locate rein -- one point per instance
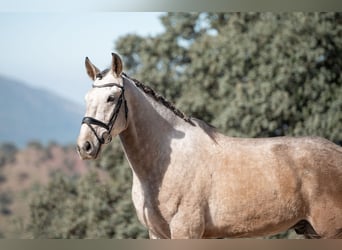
(89, 121)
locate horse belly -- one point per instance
(252, 203)
(254, 217)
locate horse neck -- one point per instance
(150, 130)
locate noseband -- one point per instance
(106, 137)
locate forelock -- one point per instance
(102, 74)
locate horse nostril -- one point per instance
(87, 146)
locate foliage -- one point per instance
(87, 207)
(5, 202)
(84, 208)
(250, 74)
(7, 153)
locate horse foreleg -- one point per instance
(152, 236)
(185, 225)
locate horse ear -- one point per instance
(116, 64)
(91, 69)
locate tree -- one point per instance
(5, 202)
(8, 153)
(250, 74)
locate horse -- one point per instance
(191, 181)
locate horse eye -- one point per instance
(111, 98)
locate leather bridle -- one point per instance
(90, 121)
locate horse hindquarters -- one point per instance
(325, 192)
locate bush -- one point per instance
(83, 208)
(8, 153)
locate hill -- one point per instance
(28, 114)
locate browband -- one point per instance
(112, 84)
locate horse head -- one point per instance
(106, 108)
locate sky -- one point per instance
(47, 49)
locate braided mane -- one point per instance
(160, 99)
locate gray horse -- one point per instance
(189, 181)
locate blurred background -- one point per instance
(248, 74)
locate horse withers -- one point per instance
(190, 181)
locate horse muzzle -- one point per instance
(87, 150)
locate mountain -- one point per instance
(31, 114)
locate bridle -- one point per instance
(90, 121)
